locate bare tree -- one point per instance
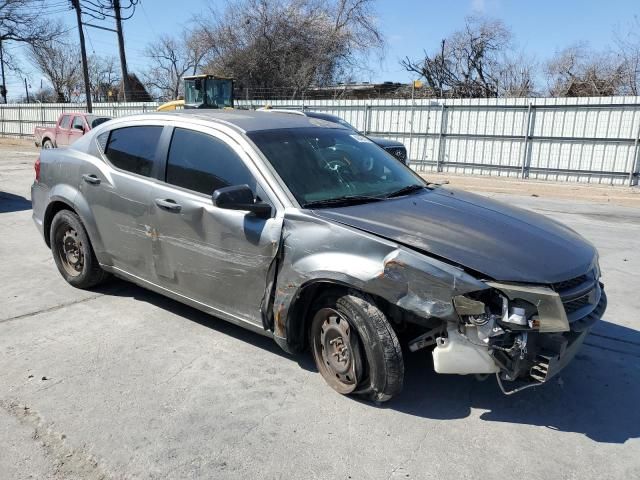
(23, 21)
(628, 47)
(289, 44)
(517, 77)
(60, 63)
(171, 59)
(27, 21)
(104, 78)
(474, 62)
(578, 71)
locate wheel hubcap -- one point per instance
(336, 351)
(71, 252)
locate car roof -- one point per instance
(323, 116)
(250, 120)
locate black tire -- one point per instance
(372, 347)
(72, 251)
(47, 144)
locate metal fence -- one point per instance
(568, 139)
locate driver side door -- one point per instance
(78, 127)
(218, 257)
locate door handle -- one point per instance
(91, 179)
(168, 204)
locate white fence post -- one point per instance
(633, 171)
(441, 138)
(525, 154)
(367, 119)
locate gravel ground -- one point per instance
(123, 383)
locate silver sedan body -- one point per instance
(416, 254)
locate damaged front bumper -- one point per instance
(548, 353)
(524, 334)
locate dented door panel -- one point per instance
(215, 256)
(120, 208)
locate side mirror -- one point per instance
(79, 127)
(240, 197)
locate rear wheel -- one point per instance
(47, 144)
(72, 251)
(355, 348)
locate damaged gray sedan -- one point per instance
(313, 235)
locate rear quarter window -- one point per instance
(133, 148)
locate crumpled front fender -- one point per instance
(318, 250)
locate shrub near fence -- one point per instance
(563, 139)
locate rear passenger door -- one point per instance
(119, 193)
(218, 257)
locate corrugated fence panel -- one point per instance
(563, 139)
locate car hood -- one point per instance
(498, 241)
(385, 142)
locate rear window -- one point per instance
(94, 121)
(133, 148)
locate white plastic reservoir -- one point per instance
(456, 354)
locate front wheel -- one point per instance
(72, 251)
(355, 348)
(47, 144)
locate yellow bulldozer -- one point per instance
(203, 91)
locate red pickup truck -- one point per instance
(69, 127)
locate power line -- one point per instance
(103, 9)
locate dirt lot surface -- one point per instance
(123, 383)
(602, 194)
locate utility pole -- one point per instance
(123, 57)
(26, 89)
(3, 89)
(83, 53)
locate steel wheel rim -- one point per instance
(336, 350)
(47, 145)
(70, 252)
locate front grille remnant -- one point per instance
(577, 294)
(572, 283)
(573, 305)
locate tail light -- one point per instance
(36, 167)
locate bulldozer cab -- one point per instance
(208, 91)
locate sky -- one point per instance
(540, 28)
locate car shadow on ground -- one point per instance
(596, 395)
(122, 288)
(10, 202)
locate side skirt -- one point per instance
(187, 300)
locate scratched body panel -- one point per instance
(120, 207)
(314, 249)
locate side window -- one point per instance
(133, 148)
(66, 121)
(78, 121)
(203, 163)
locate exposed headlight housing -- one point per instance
(514, 306)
